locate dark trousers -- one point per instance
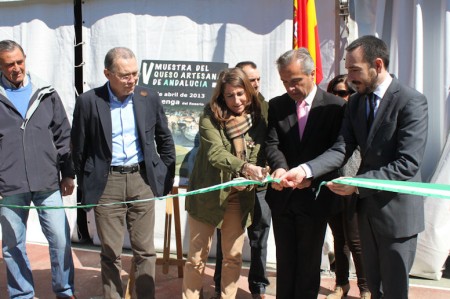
(387, 261)
(258, 234)
(346, 238)
(140, 221)
(299, 239)
(82, 225)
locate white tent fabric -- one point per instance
(433, 27)
(45, 31)
(195, 30)
(434, 244)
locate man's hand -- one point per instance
(341, 189)
(294, 178)
(276, 175)
(304, 184)
(67, 186)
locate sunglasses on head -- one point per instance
(341, 93)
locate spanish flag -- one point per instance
(306, 33)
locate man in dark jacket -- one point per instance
(34, 152)
(123, 151)
(303, 123)
(389, 122)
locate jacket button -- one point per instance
(105, 175)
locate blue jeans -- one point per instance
(55, 228)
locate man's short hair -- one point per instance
(243, 64)
(10, 45)
(372, 47)
(300, 54)
(116, 53)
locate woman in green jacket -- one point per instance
(232, 134)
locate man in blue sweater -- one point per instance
(34, 154)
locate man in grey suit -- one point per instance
(392, 142)
(123, 151)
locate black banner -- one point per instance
(184, 88)
(181, 83)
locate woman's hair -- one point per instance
(236, 78)
(336, 80)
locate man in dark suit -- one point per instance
(392, 134)
(123, 151)
(296, 136)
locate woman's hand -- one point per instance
(253, 172)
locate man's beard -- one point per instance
(370, 87)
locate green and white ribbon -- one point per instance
(234, 183)
(414, 188)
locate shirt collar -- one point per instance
(7, 84)
(310, 97)
(113, 98)
(382, 88)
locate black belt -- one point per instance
(127, 168)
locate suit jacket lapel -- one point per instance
(139, 104)
(104, 114)
(385, 104)
(293, 121)
(356, 110)
(312, 116)
(362, 115)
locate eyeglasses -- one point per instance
(126, 77)
(341, 93)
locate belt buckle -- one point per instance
(123, 171)
(129, 169)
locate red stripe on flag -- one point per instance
(302, 20)
(319, 72)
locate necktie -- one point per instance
(302, 116)
(371, 102)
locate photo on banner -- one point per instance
(184, 88)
